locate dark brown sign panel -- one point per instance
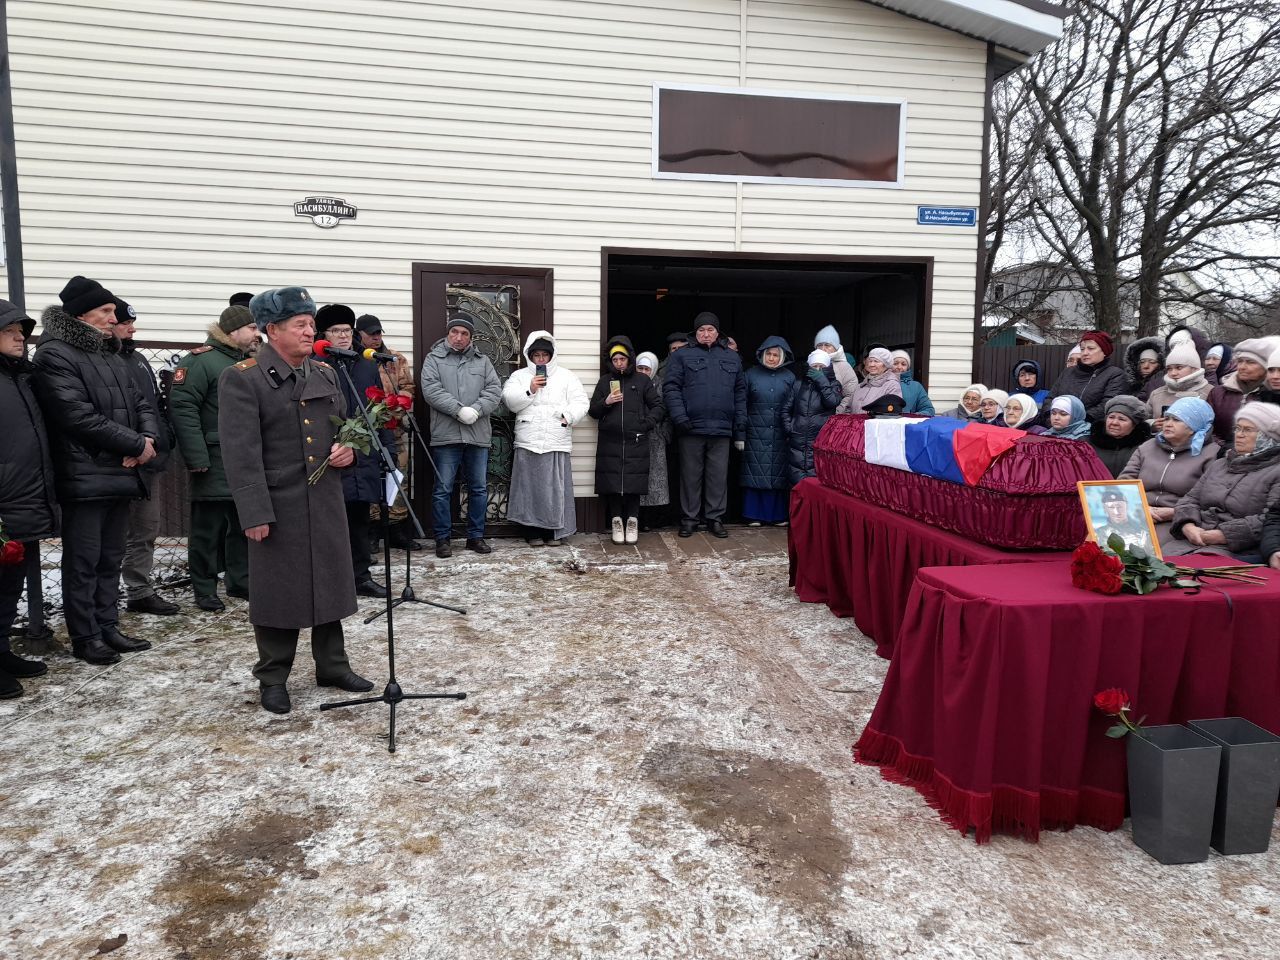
(704, 133)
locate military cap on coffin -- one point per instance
(889, 405)
(280, 304)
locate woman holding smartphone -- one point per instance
(547, 401)
(626, 403)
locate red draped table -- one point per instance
(861, 560)
(987, 709)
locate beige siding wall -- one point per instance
(162, 143)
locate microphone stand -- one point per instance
(392, 694)
(406, 595)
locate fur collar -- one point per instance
(223, 339)
(60, 325)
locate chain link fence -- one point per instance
(173, 492)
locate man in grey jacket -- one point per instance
(462, 388)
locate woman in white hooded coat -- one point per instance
(547, 401)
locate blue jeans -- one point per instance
(475, 467)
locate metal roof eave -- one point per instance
(1024, 26)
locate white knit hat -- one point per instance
(901, 354)
(1184, 354)
(1275, 359)
(820, 357)
(881, 354)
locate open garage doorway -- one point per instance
(648, 294)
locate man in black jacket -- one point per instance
(101, 430)
(144, 514)
(706, 396)
(28, 506)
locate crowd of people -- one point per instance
(254, 415)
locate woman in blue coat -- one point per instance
(764, 458)
(810, 403)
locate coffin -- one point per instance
(1026, 500)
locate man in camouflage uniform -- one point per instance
(217, 541)
(396, 378)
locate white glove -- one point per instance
(468, 415)
(739, 445)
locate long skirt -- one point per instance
(767, 506)
(542, 492)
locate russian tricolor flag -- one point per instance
(940, 447)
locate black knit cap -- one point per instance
(677, 338)
(234, 317)
(124, 312)
(542, 343)
(240, 299)
(368, 323)
(334, 315)
(9, 314)
(81, 295)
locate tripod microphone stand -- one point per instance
(392, 694)
(406, 595)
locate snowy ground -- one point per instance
(653, 762)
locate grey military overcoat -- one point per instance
(275, 431)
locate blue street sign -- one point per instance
(947, 216)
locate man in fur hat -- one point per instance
(274, 423)
(193, 400)
(101, 430)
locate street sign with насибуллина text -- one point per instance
(947, 216)
(325, 212)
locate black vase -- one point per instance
(1248, 783)
(1173, 784)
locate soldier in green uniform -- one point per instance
(274, 421)
(217, 541)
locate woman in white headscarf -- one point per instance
(970, 405)
(991, 409)
(881, 381)
(1020, 410)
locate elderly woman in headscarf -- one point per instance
(765, 485)
(1225, 511)
(811, 400)
(1171, 463)
(1183, 377)
(1143, 363)
(1094, 379)
(914, 397)
(881, 381)
(1020, 410)
(1124, 429)
(1027, 379)
(659, 494)
(991, 409)
(970, 405)
(1066, 419)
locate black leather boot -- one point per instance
(117, 641)
(94, 651)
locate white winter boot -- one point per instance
(633, 530)
(618, 536)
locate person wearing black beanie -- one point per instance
(240, 299)
(101, 431)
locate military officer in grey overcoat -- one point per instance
(273, 420)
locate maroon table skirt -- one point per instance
(987, 709)
(861, 560)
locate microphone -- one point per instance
(372, 354)
(323, 348)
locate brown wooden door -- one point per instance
(505, 304)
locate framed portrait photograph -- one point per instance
(1120, 507)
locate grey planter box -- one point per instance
(1248, 783)
(1173, 783)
